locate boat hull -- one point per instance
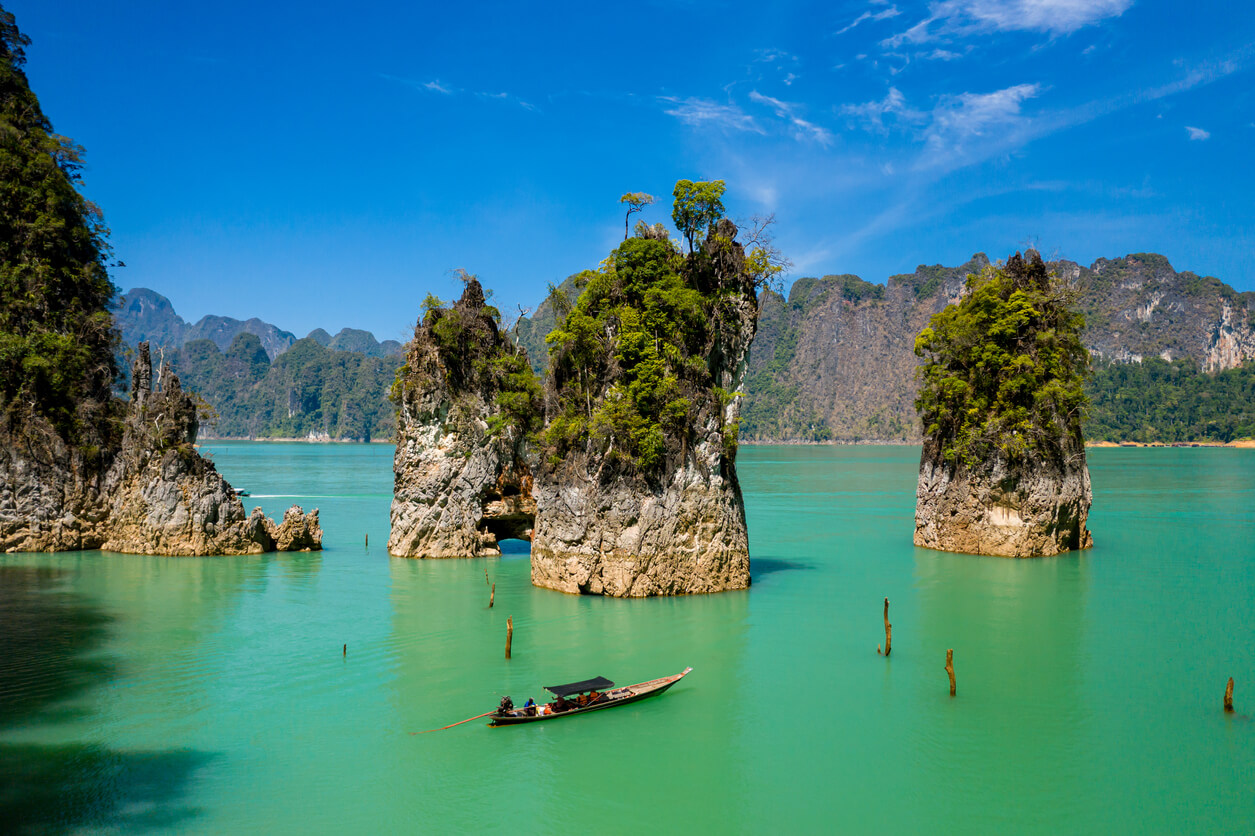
(635, 693)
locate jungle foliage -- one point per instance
(1003, 369)
(56, 333)
(474, 358)
(1170, 402)
(630, 366)
(307, 389)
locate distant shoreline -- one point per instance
(1242, 443)
(302, 440)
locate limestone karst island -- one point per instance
(699, 420)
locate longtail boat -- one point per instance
(590, 695)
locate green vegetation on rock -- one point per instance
(56, 334)
(1004, 367)
(475, 358)
(630, 363)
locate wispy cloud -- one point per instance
(883, 14)
(872, 114)
(1198, 133)
(962, 18)
(445, 89)
(802, 129)
(700, 113)
(957, 119)
(776, 56)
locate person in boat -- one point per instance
(507, 705)
(530, 708)
(561, 704)
(595, 697)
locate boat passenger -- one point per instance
(530, 708)
(561, 704)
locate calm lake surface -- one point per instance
(211, 695)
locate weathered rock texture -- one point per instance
(1002, 470)
(152, 494)
(462, 479)
(604, 528)
(1004, 510)
(50, 492)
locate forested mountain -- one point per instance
(835, 361)
(308, 391)
(1165, 401)
(262, 382)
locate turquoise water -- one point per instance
(212, 695)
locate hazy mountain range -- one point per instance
(833, 361)
(144, 314)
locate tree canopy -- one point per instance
(56, 331)
(629, 363)
(636, 202)
(697, 208)
(1004, 367)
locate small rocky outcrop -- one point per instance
(165, 498)
(1002, 470)
(299, 532)
(637, 492)
(467, 400)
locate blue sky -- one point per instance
(329, 165)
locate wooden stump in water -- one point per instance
(509, 635)
(492, 595)
(888, 629)
(950, 668)
(1228, 695)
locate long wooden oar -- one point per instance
(458, 723)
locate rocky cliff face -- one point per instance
(1003, 509)
(1002, 470)
(607, 526)
(51, 494)
(149, 493)
(834, 361)
(165, 498)
(462, 479)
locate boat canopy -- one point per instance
(597, 682)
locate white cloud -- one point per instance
(802, 129)
(437, 87)
(959, 18)
(957, 119)
(940, 55)
(874, 113)
(884, 14)
(699, 113)
(1198, 133)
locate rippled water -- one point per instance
(212, 695)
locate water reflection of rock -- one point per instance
(1018, 631)
(52, 641)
